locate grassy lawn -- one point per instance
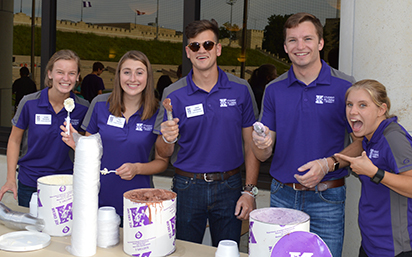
(93, 47)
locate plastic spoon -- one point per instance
(69, 106)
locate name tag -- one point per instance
(194, 110)
(116, 121)
(43, 119)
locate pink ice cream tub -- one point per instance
(268, 225)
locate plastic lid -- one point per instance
(23, 241)
(300, 242)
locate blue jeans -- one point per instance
(326, 210)
(199, 201)
(24, 194)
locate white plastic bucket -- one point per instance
(149, 218)
(268, 225)
(55, 200)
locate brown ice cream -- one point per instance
(145, 195)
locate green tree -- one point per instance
(227, 30)
(273, 35)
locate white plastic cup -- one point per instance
(33, 204)
(227, 248)
(107, 213)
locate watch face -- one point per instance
(255, 191)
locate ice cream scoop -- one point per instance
(105, 171)
(259, 128)
(167, 104)
(69, 106)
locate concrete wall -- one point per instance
(375, 44)
(136, 31)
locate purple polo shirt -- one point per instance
(309, 121)
(131, 143)
(43, 151)
(385, 217)
(210, 123)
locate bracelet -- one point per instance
(246, 192)
(164, 139)
(377, 178)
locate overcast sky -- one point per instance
(171, 11)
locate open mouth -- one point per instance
(356, 125)
(65, 84)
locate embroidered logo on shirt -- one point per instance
(323, 99)
(74, 122)
(373, 154)
(227, 102)
(143, 127)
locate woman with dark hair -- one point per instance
(125, 119)
(163, 82)
(260, 78)
(36, 125)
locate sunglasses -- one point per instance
(207, 45)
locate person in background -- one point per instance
(304, 114)
(92, 84)
(385, 205)
(260, 78)
(77, 89)
(179, 72)
(125, 119)
(163, 82)
(213, 111)
(23, 86)
(36, 127)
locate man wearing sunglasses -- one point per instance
(213, 111)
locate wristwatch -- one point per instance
(335, 164)
(252, 189)
(378, 176)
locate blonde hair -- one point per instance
(149, 102)
(64, 54)
(377, 92)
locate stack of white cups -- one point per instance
(108, 227)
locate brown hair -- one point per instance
(297, 18)
(60, 55)
(149, 102)
(197, 27)
(377, 92)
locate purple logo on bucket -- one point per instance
(300, 244)
(139, 216)
(143, 254)
(62, 188)
(39, 204)
(66, 229)
(138, 235)
(252, 239)
(65, 213)
(173, 223)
